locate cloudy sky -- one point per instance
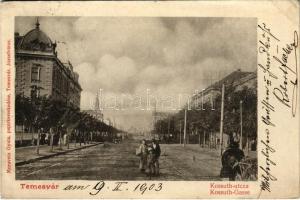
(129, 55)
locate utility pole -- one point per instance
(168, 125)
(241, 116)
(51, 138)
(68, 137)
(184, 131)
(209, 140)
(199, 137)
(60, 138)
(22, 133)
(154, 122)
(221, 123)
(180, 132)
(38, 143)
(204, 141)
(160, 129)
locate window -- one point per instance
(35, 74)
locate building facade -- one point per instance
(39, 72)
(237, 79)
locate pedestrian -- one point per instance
(56, 138)
(51, 137)
(80, 138)
(43, 136)
(151, 160)
(47, 139)
(142, 153)
(234, 139)
(65, 138)
(157, 152)
(230, 159)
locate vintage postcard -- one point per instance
(161, 100)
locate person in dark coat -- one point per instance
(230, 158)
(151, 159)
(156, 152)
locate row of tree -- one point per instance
(207, 120)
(44, 113)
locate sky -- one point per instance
(136, 56)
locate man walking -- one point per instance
(157, 151)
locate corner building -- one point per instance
(39, 72)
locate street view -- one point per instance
(143, 98)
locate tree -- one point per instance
(209, 120)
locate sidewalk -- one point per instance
(191, 162)
(25, 155)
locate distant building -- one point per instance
(39, 72)
(96, 112)
(248, 81)
(157, 116)
(237, 79)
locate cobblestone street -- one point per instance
(118, 162)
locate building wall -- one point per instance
(205, 97)
(250, 81)
(65, 86)
(74, 93)
(54, 79)
(24, 81)
(60, 91)
(39, 69)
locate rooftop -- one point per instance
(36, 40)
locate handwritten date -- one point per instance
(119, 186)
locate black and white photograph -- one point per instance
(135, 98)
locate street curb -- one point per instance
(52, 155)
